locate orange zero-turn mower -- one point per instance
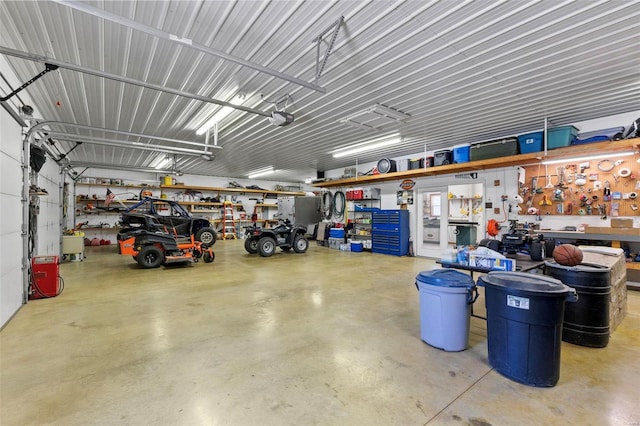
(152, 249)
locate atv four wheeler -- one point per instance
(284, 235)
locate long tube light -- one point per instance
(588, 157)
(221, 113)
(366, 146)
(261, 172)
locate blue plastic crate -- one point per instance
(558, 137)
(530, 142)
(461, 153)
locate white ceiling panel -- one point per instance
(465, 71)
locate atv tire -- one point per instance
(536, 251)
(300, 244)
(251, 245)
(549, 246)
(207, 236)
(266, 246)
(208, 256)
(150, 257)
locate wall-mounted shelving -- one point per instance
(493, 163)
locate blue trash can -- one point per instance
(446, 296)
(524, 325)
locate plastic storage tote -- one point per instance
(530, 142)
(461, 153)
(446, 296)
(558, 137)
(599, 135)
(586, 322)
(524, 325)
(493, 149)
(442, 158)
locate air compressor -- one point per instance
(45, 277)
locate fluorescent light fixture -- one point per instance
(261, 172)
(589, 157)
(221, 113)
(366, 146)
(160, 162)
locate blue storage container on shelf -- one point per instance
(599, 135)
(461, 153)
(558, 137)
(336, 233)
(530, 142)
(356, 246)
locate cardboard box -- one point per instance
(621, 223)
(478, 261)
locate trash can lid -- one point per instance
(524, 282)
(583, 267)
(445, 278)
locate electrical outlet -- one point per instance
(496, 210)
(505, 197)
(488, 205)
(496, 182)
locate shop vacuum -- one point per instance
(45, 278)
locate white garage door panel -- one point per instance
(11, 181)
(11, 289)
(11, 218)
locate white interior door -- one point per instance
(431, 223)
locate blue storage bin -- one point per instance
(530, 142)
(356, 246)
(558, 137)
(461, 153)
(336, 233)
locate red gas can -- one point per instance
(45, 271)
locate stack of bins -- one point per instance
(446, 296)
(586, 322)
(524, 325)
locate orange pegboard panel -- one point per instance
(602, 187)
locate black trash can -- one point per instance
(586, 322)
(524, 325)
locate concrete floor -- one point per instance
(324, 338)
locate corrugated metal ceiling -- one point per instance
(465, 71)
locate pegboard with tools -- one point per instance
(608, 187)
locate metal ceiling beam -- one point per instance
(101, 13)
(70, 137)
(40, 127)
(38, 58)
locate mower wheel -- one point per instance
(300, 244)
(208, 256)
(535, 251)
(150, 257)
(266, 246)
(251, 245)
(549, 246)
(207, 236)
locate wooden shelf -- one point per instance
(236, 190)
(266, 205)
(119, 186)
(633, 265)
(493, 163)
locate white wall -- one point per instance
(11, 286)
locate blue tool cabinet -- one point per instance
(390, 232)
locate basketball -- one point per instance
(567, 255)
